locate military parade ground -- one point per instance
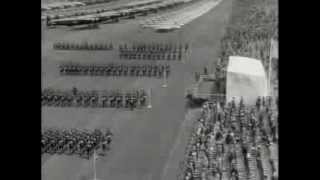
(114, 79)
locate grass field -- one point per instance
(143, 138)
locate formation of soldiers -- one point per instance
(79, 142)
(115, 69)
(94, 99)
(154, 51)
(83, 46)
(233, 143)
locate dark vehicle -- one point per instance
(84, 20)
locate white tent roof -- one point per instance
(244, 65)
(246, 78)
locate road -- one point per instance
(143, 138)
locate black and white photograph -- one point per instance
(159, 89)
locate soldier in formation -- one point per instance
(115, 69)
(94, 99)
(83, 46)
(75, 141)
(153, 51)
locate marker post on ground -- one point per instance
(195, 91)
(183, 59)
(164, 85)
(94, 165)
(186, 51)
(149, 105)
(209, 115)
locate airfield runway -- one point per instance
(145, 140)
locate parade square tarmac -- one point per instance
(145, 140)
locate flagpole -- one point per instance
(165, 79)
(186, 54)
(183, 57)
(94, 165)
(270, 68)
(149, 105)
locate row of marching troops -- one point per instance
(155, 51)
(115, 69)
(82, 46)
(154, 47)
(94, 99)
(233, 143)
(168, 56)
(80, 142)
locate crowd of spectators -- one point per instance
(249, 34)
(235, 142)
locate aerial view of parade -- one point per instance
(159, 89)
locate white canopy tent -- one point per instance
(246, 78)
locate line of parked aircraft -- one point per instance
(61, 5)
(125, 12)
